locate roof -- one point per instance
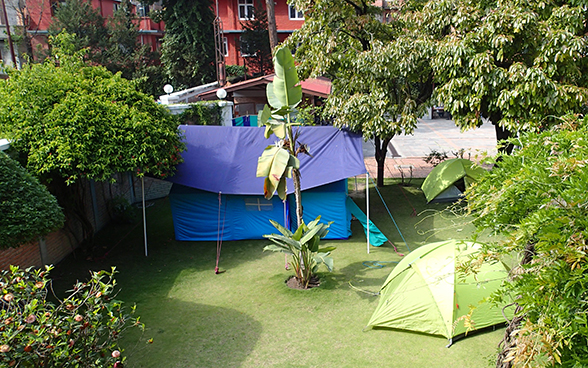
(224, 159)
(320, 87)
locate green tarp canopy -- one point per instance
(444, 175)
(424, 293)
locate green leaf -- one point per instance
(285, 89)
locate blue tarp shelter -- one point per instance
(216, 191)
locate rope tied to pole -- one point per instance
(220, 233)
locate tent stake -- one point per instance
(367, 207)
(144, 218)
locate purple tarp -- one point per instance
(224, 159)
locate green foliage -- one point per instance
(236, 70)
(27, 209)
(81, 330)
(79, 18)
(121, 210)
(254, 41)
(202, 113)
(284, 94)
(435, 157)
(303, 247)
(381, 75)
(113, 43)
(77, 121)
(188, 45)
(520, 64)
(537, 198)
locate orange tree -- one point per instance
(71, 121)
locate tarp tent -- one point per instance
(424, 293)
(439, 184)
(222, 161)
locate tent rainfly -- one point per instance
(217, 195)
(424, 293)
(439, 184)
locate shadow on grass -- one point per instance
(192, 335)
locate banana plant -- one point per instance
(303, 246)
(280, 161)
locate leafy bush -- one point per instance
(537, 198)
(201, 113)
(81, 330)
(236, 70)
(27, 209)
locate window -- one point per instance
(55, 4)
(244, 48)
(295, 14)
(143, 10)
(225, 47)
(115, 7)
(255, 204)
(246, 9)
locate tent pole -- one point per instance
(144, 218)
(367, 207)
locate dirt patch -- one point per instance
(293, 283)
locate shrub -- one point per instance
(81, 330)
(27, 209)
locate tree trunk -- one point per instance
(501, 135)
(271, 24)
(381, 151)
(509, 340)
(297, 195)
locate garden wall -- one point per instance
(59, 244)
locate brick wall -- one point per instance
(57, 245)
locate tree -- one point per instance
(536, 198)
(519, 64)
(82, 330)
(113, 43)
(280, 161)
(79, 18)
(72, 121)
(381, 77)
(188, 45)
(254, 42)
(27, 209)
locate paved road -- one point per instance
(406, 153)
(440, 135)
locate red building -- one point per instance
(39, 15)
(233, 12)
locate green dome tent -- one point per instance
(423, 293)
(440, 182)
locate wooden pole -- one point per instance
(271, 24)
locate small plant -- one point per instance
(460, 153)
(303, 247)
(81, 330)
(121, 210)
(435, 157)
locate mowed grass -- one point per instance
(247, 317)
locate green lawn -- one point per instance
(247, 317)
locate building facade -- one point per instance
(233, 12)
(38, 15)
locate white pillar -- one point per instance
(144, 218)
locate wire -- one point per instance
(363, 291)
(389, 213)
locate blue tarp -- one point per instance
(377, 238)
(224, 160)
